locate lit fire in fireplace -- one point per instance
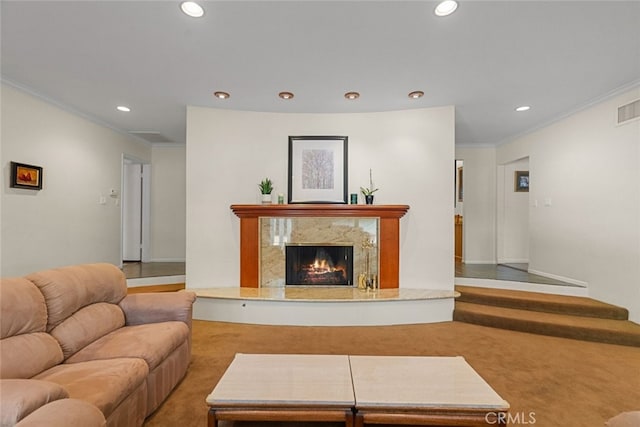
(322, 267)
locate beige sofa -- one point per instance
(77, 350)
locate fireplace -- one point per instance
(319, 265)
(263, 240)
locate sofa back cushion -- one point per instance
(68, 289)
(22, 306)
(26, 355)
(22, 331)
(82, 302)
(87, 325)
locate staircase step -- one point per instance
(537, 301)
(622, 332)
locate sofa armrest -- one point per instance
(65, 413)
(158, 307)
(21, 397)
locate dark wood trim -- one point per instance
(320, 210)
(389, 255)
(388, 240)
(172, 287)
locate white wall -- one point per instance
(512, 215)
(410, 152)
(168, 203)
(63, 223)
(588, 169)
(479, 225)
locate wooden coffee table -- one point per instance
(442, 391)
(284, 387)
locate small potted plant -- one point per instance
(368, 192)
(266, 187)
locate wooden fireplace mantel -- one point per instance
(388, 239)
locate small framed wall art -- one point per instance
(522, 181)
(317, 169)
(25, 176)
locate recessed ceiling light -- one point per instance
(352, 95)
(192, 9)
(285, 95)
(221, 95)
(416, 94)
(447, 7)
(523, 108)
(123, 108)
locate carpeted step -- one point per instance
(610, 331)
(537, 301)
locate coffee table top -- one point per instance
(284, 380)
(420, 382)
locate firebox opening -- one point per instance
(325, 265)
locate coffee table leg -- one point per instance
(211, 418)
(358, 419)
(348, 418)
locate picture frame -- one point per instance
(521, 181)
(25, 176)
(317, 169)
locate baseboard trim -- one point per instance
(471, 261)
(513, 261)
(560, 278)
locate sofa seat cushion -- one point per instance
(103, 383)
(20, 397)
(65, 413)
(152, 342)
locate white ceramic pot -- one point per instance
(266, 198)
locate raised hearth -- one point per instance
(388, 238)
(308, 306)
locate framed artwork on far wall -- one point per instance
(25, 176)
(317, 169)
(522, 181)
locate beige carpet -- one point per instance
(563, 382)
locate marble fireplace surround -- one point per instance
(388, 217)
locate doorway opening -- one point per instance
(135, 210)
(458, 210)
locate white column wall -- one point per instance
(168, 203)
(479, 223)
(410, 152)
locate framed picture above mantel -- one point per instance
(317, 169)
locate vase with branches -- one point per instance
(368, 191)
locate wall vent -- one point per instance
(153, 137)
(629, 112)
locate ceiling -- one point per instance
(486, 59)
